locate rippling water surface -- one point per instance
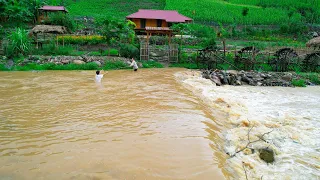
(143, 125)
(291, 115)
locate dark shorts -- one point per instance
(135, 69)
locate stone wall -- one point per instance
(100, 60)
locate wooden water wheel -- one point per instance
(312, 62)
(245, 59)
(284, 57)
(206, 57)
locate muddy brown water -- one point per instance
(143, 125)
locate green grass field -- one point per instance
(115, 8)
(264, 12)
(230, 11)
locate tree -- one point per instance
(244, 13)
(20, 11)
(116, 31)
(19, 42)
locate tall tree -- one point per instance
(244, 13)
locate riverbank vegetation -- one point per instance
(109, 65)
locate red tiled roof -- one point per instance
(169, 16)
(54, 8)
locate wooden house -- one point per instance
(156, 19)
(44, 11)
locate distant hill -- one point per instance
(265, 12)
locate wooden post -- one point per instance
(37, 43)
(253, 57)
(147, 45)
(57, 41)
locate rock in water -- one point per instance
(216, 80)
(267, 155)
(287, 77)
(238, 83)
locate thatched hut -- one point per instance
(49, 29)
(315, 42)
(46, 29)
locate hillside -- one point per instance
(116, 8)
(264, 12)
(230, 11)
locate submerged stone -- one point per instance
(266, 155)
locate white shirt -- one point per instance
(134, 64)
(99, 77)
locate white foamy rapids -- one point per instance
(292, 114)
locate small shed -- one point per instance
(45, 10)
(44, 30)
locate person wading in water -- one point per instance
(99, 76)
(134, 65)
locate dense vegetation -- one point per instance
(109, 65)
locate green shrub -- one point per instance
(112, 52)
(52, 49)
(183, 58)
(95, 53)
(312, 77)
(298, 82)
(129, 51)
(264, 67)
(151, 64)
(19, 43)
(115, 65)
(3, 68)
(61, 19)
(52, 66)
(210, 43)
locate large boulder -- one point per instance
(78, 62)
(287, 77)
(98, 63)
(65, 61)
(216, 80)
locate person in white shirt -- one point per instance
(134, 65)
(99, 76)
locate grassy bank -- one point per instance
(109, 65)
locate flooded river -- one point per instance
(289, 116)
(134, 125)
